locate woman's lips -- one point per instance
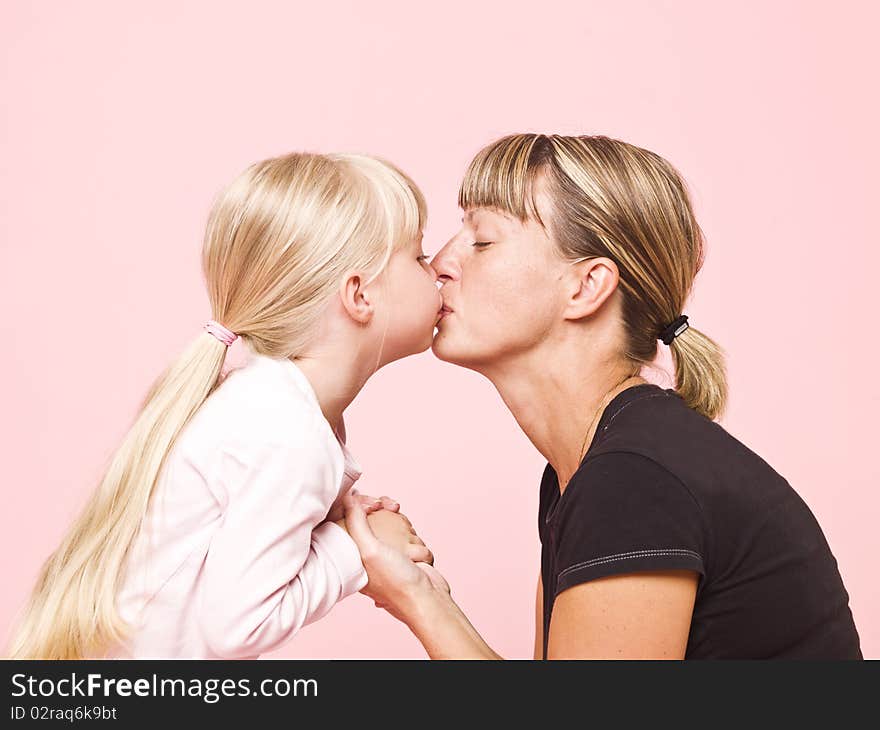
(444, 310)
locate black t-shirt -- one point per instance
(662, 487)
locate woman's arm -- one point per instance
(443, 629)
(635, 616)
(414, 593)
(639, 615)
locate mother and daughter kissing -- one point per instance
(227, 518)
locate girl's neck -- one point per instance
(337, 378)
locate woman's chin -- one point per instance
(443, 348)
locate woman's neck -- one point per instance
(557, 399)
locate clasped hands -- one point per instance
(400, 567)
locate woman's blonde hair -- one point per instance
(613, 199)
(277, 243)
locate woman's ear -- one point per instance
(355, 299)
(594, 280)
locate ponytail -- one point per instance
(72, 611)
(278, 239)
(700, 372)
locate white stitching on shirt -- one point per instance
(629, 403)
(629, 556)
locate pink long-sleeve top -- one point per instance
(234, 555)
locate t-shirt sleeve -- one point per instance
(625, 513)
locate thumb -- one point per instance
(358, 527)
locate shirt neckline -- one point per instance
(351, 466)
(620, 401)
(617, 404)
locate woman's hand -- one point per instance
(413, 592)
(388, 551)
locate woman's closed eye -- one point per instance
(482, 244)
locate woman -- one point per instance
(662, 535)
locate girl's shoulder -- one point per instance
(254, 406)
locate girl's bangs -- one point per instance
(407, 214)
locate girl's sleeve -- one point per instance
(271, 567)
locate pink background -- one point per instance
(121, 120)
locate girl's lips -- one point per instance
(444, 311)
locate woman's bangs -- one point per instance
(501, 176)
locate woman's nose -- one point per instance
(443, 264)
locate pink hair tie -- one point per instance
(220, 332)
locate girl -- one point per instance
(216, 531)
(662, 535)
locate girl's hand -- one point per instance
(370, 505)
(396, 531)
(395, 582)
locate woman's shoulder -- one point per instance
(630, 480)
(643, 407)
(655, 423)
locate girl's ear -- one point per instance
(355, 299)
(593, 281)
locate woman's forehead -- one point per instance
(487, 215)
(506, 222)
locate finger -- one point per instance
(357, 525)
(419, 554)
(390, 504)
(370, 504)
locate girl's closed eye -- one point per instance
(482, 244)
(423, 259)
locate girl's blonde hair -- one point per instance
(277, 243)
(619, 201)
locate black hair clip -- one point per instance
(674, 329)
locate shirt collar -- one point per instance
(297, 377)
